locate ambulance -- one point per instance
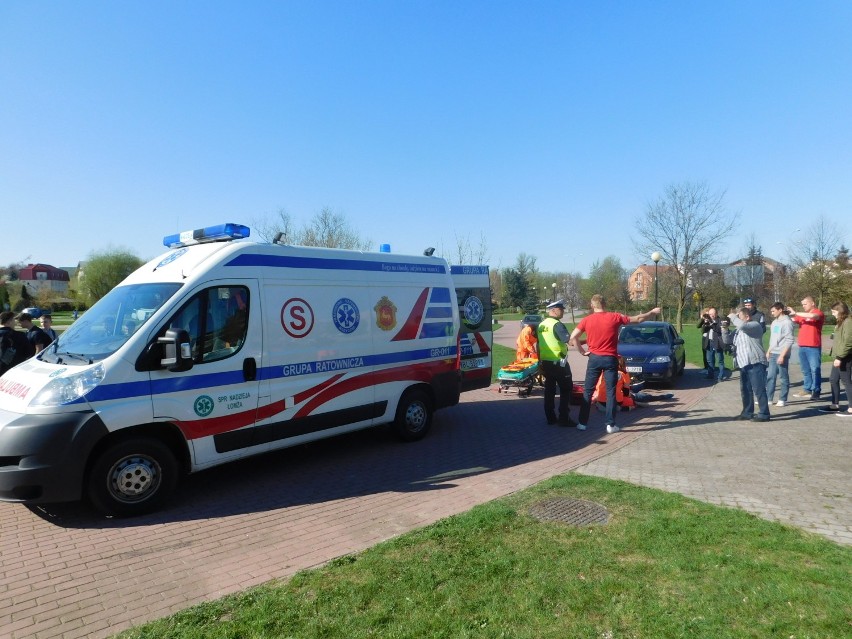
(223, 348)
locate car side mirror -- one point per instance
(678, 341)
(176, 350)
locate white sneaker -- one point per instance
(581, 427)
(780, 402)
(612, 428)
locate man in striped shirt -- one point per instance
(751, 359)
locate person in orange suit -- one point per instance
(622, 388)
(527, 343)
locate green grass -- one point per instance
(692, 343)
(500, 356)
(664, 566)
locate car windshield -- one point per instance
(105, 328)
(643, 335)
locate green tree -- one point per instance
(608, 278)
(104, 270)
(515, 288)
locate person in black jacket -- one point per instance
(14, 347)
(37, 337)
(750, 304)
(700, 325)
(711, 325)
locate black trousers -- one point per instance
(556, 375)
(842, 374)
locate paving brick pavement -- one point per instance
(795, 469)
(66, 572)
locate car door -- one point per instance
(215, 402)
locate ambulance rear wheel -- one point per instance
(413, 415)
(132, 477)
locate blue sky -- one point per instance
(544, 127)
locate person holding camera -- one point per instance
(752, 362)
(703, 337)
(715, 352)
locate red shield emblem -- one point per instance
(385, 314)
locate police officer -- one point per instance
(750, 305)
(553, 359)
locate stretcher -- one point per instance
(521, 374)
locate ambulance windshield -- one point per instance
(104, 328)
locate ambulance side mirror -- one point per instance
(176, 350)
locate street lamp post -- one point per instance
(554, 291)
(656, 257)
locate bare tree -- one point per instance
(326, 229)
(687, 225)
(332, 230)
(464, 252)
(282, 223)
(814, 261)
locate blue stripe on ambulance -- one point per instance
(440, 295)
(108, 392)
(288, 261)
(441, 312)
(439, 308)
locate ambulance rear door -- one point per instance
(473, 292)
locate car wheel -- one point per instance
(132, 477)
(413, 415)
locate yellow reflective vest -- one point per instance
(550, 348)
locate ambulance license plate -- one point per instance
(634, 369)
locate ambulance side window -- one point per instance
(227, 310)
(216, 320)
(188, 319)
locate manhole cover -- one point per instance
(570, 511)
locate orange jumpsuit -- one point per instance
(527, 343)
(623, 381)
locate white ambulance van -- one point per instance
(223, 348)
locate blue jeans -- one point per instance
(753, 386)
(609, 366)
(712, 356)
(810, 359)
(772, 371)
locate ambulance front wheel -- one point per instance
(132, 477)
(413, 415)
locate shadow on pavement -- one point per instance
(482, 434)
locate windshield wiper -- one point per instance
(82, 358)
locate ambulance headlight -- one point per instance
(68, 388)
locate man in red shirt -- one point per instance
(810, 323)
(601, 329)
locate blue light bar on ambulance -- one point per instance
(218, 233)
